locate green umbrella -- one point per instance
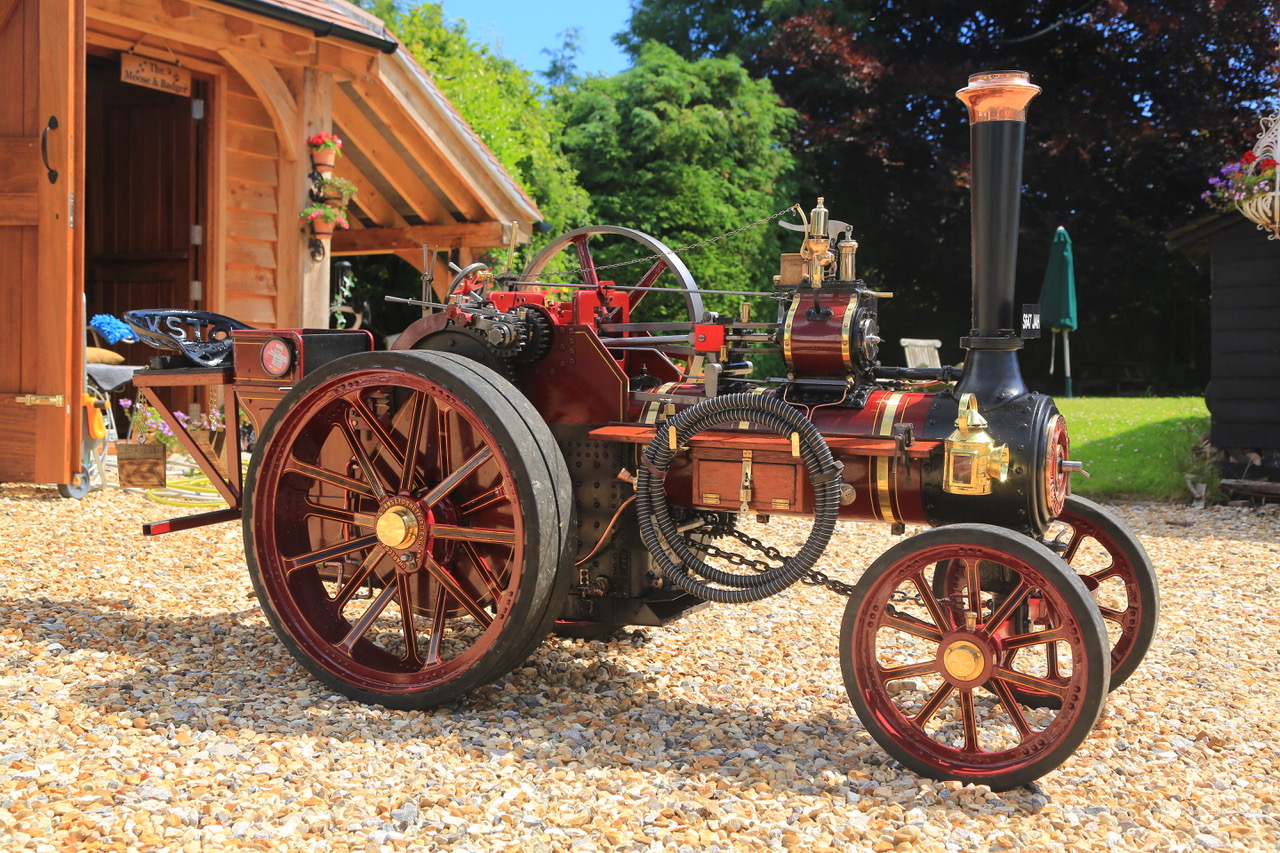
(1058, 299)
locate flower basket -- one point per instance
(1250, 185)
(325, 148)
(211, 441)
(1264, 210)
(141, 466)
(322, 229)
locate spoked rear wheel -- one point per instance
(403, 526)
(934, 681)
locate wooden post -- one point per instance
(314, 286)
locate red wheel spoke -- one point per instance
(333, 478)
(473, 534)
(973, 579)
(448, 484)
(1051, 662)
(969, 720)
(935, 702)
(437, 623)
(908, 624)
(332, 552)
(1073, 545)
(1031, 682)
(897, 673)
(930, 601)
(345, 515)
(484, 500)
(370, 615)
(405, 593)
(442, 437)
(1004, 612)
(348, 590)
(375, 426)
(1115, 570)
(1034, 638)
(1011, 706)
(441, 574)
(362, 459)
(1112, 615)
(416, 416)
(482, 568)
(647, 281)
(585, 261)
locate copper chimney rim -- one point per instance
(998, 96)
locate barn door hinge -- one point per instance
(197, 108)
(197, 235)
(42, 400)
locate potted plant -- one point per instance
(324, 217)
(325, 148)
(334, 191)
(1249, 185)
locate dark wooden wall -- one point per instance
(1245, 338)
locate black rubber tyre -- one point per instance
(397, 578)
(939, 656)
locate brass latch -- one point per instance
(973, 459)
(42, 400)
(744, 491)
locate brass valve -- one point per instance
(973, 459)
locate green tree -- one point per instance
(685, 151)
(502, 102)
(1142, 103)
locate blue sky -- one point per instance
(520, 29)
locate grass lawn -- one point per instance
(1137, 447)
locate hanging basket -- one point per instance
(141, 466)
(1265, 211)
(1264, 208)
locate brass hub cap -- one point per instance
(397, 528)
(963, 660)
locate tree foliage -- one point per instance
(1142, 102)
(685, 151)
(501, 101)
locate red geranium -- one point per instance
(325, 140)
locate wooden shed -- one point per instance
(153, 154)
(1244, 387)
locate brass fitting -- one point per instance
(972, 457)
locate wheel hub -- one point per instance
(963, 660)
(398, 528)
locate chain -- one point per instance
(812, 577)
(688, 248)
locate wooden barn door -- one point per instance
(140, 199)
(41, 153)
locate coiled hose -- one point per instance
(667, 546)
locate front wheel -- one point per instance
(405, 517)
(935, 680)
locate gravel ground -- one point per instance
(146, 705)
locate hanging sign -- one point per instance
(142, 71)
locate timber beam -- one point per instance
(374, 241)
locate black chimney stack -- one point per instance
(997, 103)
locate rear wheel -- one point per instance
(405, 518)
(934, 681)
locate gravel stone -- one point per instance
(145, 705)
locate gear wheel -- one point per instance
(538, 331)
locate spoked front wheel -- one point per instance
(403, 526)
(1117, 572)
(935, 680)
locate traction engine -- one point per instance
(536, 455)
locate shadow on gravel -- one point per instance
(227, 673)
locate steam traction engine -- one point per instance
(534, 456)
